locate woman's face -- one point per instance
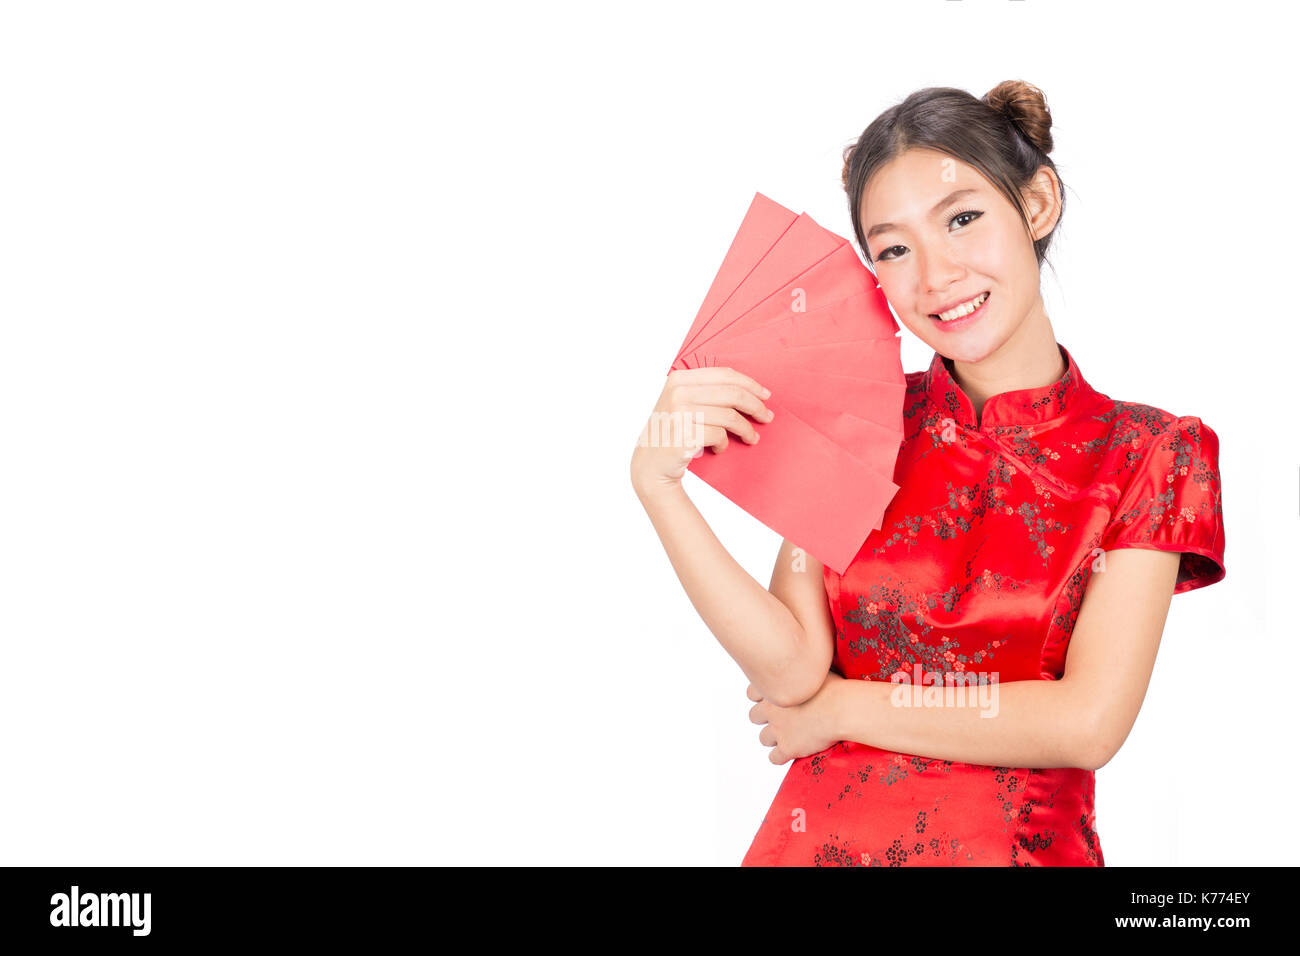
(940, 235)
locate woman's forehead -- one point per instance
(911, 185)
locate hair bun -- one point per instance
(1026, 107)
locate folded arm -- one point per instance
(1080, 720)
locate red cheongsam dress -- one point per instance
(980, 564)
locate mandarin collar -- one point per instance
(1017, 408)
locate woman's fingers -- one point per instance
(725, 420)
(695, 410)
(699, 406)
(717, 374)
(722, 395)
(706, 435)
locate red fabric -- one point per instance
(980, 565)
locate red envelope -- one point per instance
(793, 307)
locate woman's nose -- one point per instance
(939, 271)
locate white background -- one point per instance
(328, 330)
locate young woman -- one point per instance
(1039, 533)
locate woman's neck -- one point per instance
(1031, 358)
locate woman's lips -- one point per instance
(965, 320)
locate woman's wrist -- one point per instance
(650, 492)
(851, 706)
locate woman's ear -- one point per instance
(1043, 202)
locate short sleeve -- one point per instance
(1172, 501)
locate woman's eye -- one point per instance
(972, 213)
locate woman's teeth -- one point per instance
(964, 309)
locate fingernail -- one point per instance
(767, 392)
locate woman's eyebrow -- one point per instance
(946, 200)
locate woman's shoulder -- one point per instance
(1141, 418)
(1141, 430)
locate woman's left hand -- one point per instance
(798, 731)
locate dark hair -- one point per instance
(1005, 134)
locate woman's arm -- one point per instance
(781, 637)
(1078, 721)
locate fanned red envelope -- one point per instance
(793, 307)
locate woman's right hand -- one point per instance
(696, 409)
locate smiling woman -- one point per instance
(1040, 531)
